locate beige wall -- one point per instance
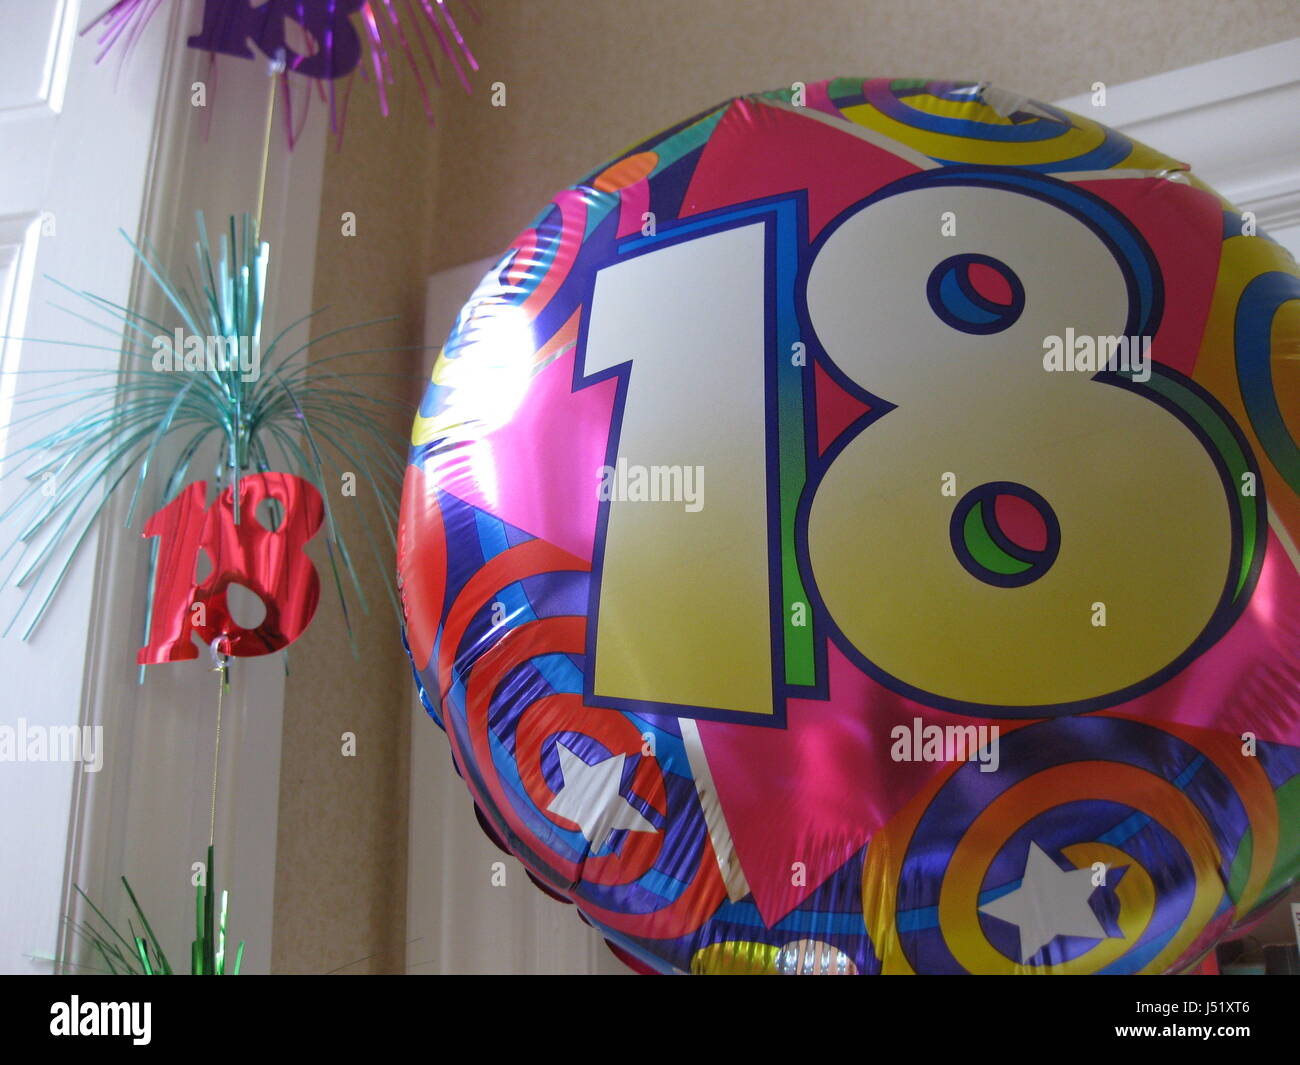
(585, 78)
(340, 896)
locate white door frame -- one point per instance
(507, 924)
(1233, 119)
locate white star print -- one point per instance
(1048, 903)
(590, 796)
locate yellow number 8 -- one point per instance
(1145, 530)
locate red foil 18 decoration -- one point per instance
(271, 563)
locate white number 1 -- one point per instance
(683, 616)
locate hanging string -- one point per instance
(275, 70)
(221, 664)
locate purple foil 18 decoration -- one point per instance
(229, 26)
(326, 40)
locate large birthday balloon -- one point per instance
(855, 531)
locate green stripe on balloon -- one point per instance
(1225, 443)
(980, 544)
(1257, 308)
(799, 646)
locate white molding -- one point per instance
(1195, 87)
(83, 172)
(48, 96)
(59, 61)
(96, 831)
(19, 237)
(1233, 120)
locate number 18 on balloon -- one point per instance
(990, 423)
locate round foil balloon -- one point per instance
(855, 531)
